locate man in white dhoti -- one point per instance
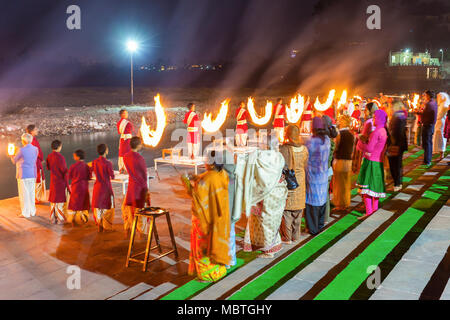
(25, 161)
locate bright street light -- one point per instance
(132, 46)
(442, 55)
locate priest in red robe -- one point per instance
(125, 129)
(241, 125)
(40, 177)
(137, 196)
(306, 118)
(102, 194)
(79, 175)
(59, 183)
(193, 137)
(279, 111)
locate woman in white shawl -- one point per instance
(439, 142)
(261, 193)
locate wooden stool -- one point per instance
(152, 213)
(171, 152)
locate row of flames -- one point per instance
(294, 112)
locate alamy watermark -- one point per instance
(374, 280)
(73, 21)
(74, 279)
(373, 22)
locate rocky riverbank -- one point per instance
(66, 121)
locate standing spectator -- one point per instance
(371, 176)
(102, 194)
(137, 196)
(25, 161)
(439, 143)
(332, 133)
(317, 177)
(79, 174)
(210, 232)
(342, 165)
(40, 177)
(397, 143)
(59, 183)
(368, 128)
(428, 117)
(296, 158)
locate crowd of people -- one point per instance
(304, 176)
(69, 197)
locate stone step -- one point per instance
(412, 273)
(303, 281)
(132, 292)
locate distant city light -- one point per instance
(406, 50)
(132, 45)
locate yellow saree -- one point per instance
(210, 226)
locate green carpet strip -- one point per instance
(193, 287)
(348, 281)
(274, 274)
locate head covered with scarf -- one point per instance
(380, 118)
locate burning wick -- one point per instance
(11, 149)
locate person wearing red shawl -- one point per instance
(356, 120)
(137, 193)
(79, 175)
(102, 194)
(193, 140)
(125, 129)
(59, 183)
(306, 118)
(279, 111)
(241, 125)
(40, 177)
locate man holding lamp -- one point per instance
(25, 161)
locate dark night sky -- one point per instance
(200, 29)
(254, 35)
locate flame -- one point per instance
(259, 120)
(11, 149)
(322, 107)
(214, 125)
(358, 97)
(150, 137)
(343, 100)
(415, 103)
(377, 102)
(295, 109)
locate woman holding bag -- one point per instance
(296, 158)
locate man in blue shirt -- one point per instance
(25, 161)
(428, 117)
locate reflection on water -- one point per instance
(88, 142)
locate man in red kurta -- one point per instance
(125, 129)
(279, 111)
(137, 193)
(59, 183)
(79, 174)
(103, 195)
(40, 177)
(193, 137)
(241, 125)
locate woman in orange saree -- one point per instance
(210, 231)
